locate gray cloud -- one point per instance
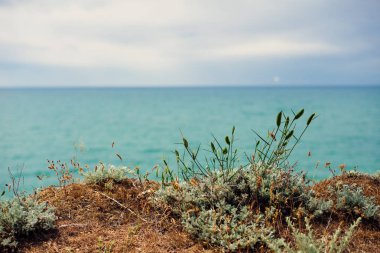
(172, 42)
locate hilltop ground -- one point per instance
(92, 218)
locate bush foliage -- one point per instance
(240, 207)
(23, 216)
(350, 199)
(103, 173)
(308, 243)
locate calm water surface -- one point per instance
(145, 124)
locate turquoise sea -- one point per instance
(145, 124)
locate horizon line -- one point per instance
(192, 86)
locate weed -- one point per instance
(62, 171)
(104, 247)
(222, 160)
(275, 149)
(309, 243)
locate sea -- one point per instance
(144, 125)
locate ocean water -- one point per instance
(145, 124)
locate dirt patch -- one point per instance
(120, 219)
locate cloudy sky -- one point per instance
(189, 42)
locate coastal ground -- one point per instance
(93, 218)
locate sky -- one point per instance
(80, 43)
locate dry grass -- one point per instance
(369, 184)
(367, 236)
(94, 219)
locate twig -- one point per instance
(120, 204)
(73, 225)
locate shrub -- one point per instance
(102, 174)
(310, 244)
(23, 216)
(237, 206)
(317, 206)
(256, 185)
(210, 207)
(352, 200)
(227, 226)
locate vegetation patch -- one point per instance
(307, 242)
(215, 204)
(245, 206)
(22, 217)
(102, 174)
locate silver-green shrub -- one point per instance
(102, 174)
(23, 216)
(256, 183)
(220, 212)
(227, 226)
(318, 206)
(308, 243)
(351, 199)
(238, 208)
